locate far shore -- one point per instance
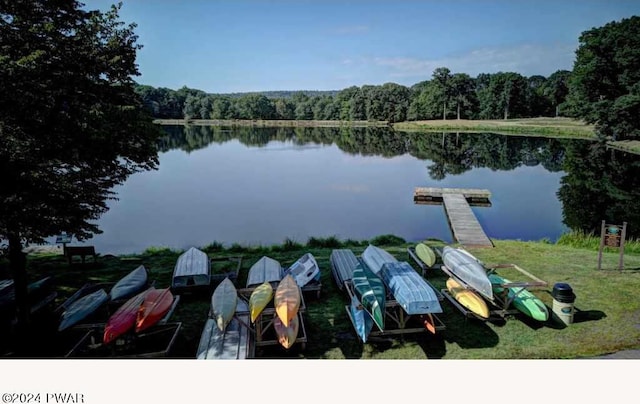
(540, 127)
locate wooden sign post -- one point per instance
(612, 235)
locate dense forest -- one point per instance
(445, 96)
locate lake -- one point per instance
(259, 186)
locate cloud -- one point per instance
(525, 59)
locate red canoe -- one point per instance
(155, 305)
(124, 319)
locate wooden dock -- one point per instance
(457, 205)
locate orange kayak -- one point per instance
(287, 300)
(124, 319)
(286, 335)
(155, 305)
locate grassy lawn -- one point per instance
(607, 315)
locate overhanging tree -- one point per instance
(604, 87)
(71, 125)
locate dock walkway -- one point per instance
(464, 225)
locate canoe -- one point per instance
(130, 285)
(375, 257)
(259, 299)
(342, 263)
(304, 270)
(287, 335)
(156, 304)
(264, 270)
(468, 298)
(426, 254)
(223, 303)
(362, 321)
(232, 343)
(37, 291)
(124, 319)
(371, 293)
(82, 308)
(410, 289)
(523, 300)
(193, 268)
(467, 269)
(286, 300)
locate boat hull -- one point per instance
(193, 268)
(376, 257)
(287, 334)
(286, 300)
(468, 270)
(468, 298)
(223, 303)
(362, 321)
(266, 269)
(426, 254)
(259, 299)
(343, 262)
(129, 285)
(371, 292)
(304, 270)
(82, 308)
(156, 304)
(409, 289)
(232, 343)
(124, 319)
(523, 300)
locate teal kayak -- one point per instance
(523, 300)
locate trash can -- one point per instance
(563, 300)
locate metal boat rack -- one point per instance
(263, 330)
(400, 322)
(501, 303)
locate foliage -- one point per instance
(604, 88)
(386, 240)
(71, 125)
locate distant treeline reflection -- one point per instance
(600, 183)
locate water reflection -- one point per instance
(219, 183)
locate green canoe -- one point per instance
(370, 291)
(426, 254)
(523, 300)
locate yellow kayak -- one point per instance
(286, 335)
(260, 297)
(287, 300)
(468, 299)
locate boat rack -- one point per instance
(232, 275)
(423, 267)
(501, 301)
(263, 330)
(401, 322)
(157, 342)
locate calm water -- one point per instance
(260, 186)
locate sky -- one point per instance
(225, 46)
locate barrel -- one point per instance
(563, 299)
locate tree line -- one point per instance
(446, 95)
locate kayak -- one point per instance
(523, 300)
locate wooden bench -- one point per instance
(81, 251)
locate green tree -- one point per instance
(463, 94)
(442, 81)
(604, 88)
(556, 88)
(71, 125)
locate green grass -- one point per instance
(607, 306)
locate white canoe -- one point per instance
(304, 270)
(193, 268)
(232, 343)
(376, 257)
(223, 303)
(467, 269)
(264, 270)
(130, 285)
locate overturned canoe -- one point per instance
(264, 270)
(259, 299)
(287, 300)
(304, 270)
(156, 304)
(124, 319)
(468, 269)
(371, 292)
(287, 334)
(82, 308)
(376, 257)
(343, 262)
(410, 290)
(362, 321)
(468, 298)
(130, 285)
(522, 299)
(193, 268)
